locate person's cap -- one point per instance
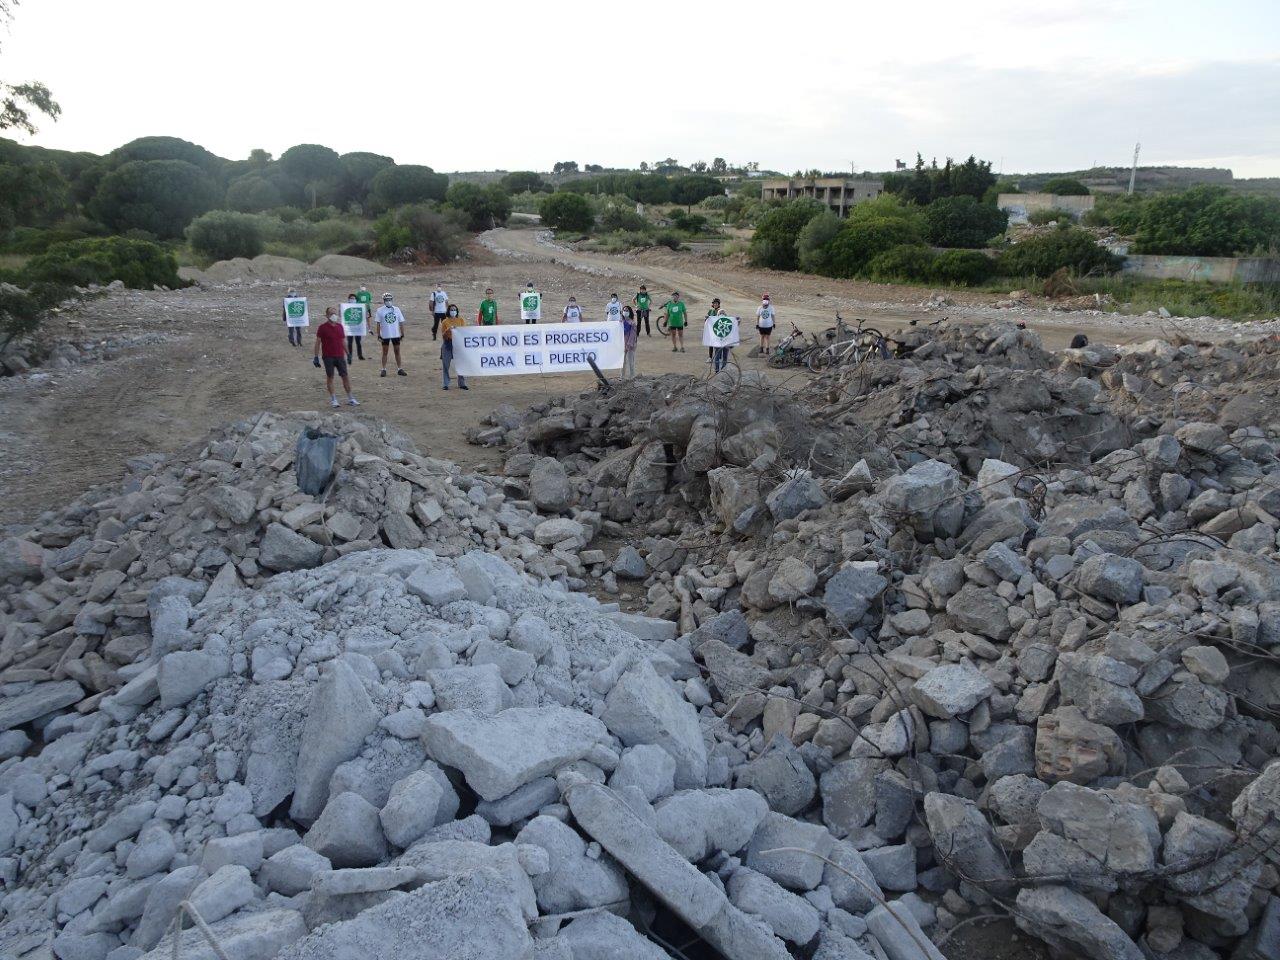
(530, 284)
(386, 297)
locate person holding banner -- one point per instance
(487, 316)
(530, 304)
(714, 311)
(329, 342)
(450, 323)
(390, 332)
(720, 334)
(294, 307)
(630, 339)
(642, 301)
(676, 312)
(355, 318)
(572, 312)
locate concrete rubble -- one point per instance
(960, 655)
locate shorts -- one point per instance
(394, 341)
(335, 363)
(764, 331)
(675, 326)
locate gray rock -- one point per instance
(1072, 923)
(162, 904)
(153, 853)
(500, 752)
(894, 868)
(962, 836)
(849, 794)
(348, 832)
(788, 916)
(898, 932)
(849, 594)
(435, 859)
(20, 559)
(281, 549)
(232, 503)
(979, 610)
(647, 767)
(629, 565)
(293, 869)
(794, 496)
(926, 497)
(549, 487)
(574, 880)
(603, 936)
(781, 776)
(950, 690)
(42, 699)
(184, 674)
(643, 707)
(1101, 687)
(1109, 577)
(249, 936)
(857, 893)
(790, 852)
(435, 587)
(412, 808)
(1117, 836)
(698, 823)
(521, 803)
(792, 580)
(479, 688)
(223, 893)
(339, 718)
(1223, 885)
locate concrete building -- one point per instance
(838, 193)
(1020, 206)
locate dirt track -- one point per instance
(227, 357)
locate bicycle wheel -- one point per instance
(779, 359)
(819, 360)
(662, 326)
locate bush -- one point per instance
(1069, 247)
(34, 194)
(668, 238)
(524, 181)
(962, 222)
(428, 232)
(138, 263)
(1041, 218)
(31, 240)
(857, 243)
(252, 194)
(1122, 212)
(169, 148)
(620, 214)
(907, 263)
(566, 211)
(406, 184)
(22, 311)
(814, 239)
(887, 207)
(223, 234)
(320, 214)
(483, 207)
(159, 196)
(774, 242)
(966, 268)
(1208, 221)
(286, 214)
(1065, 187)
(689, 222)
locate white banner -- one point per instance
(546, 348)
(295, 312)
(354, 319)
(720, 331)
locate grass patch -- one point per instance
(1186, 298)
(13, 261)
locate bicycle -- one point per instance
(850, 343)
(792, 350)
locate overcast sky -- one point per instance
(503, 85)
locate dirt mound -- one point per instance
(266, 267)
(336, 265)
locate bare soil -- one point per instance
(224, 355)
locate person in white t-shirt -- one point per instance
(572, 312)
(390, 332)
(439, 307)
(766, 319)
(530, 304)
(613, 309)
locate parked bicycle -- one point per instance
(849, 344)
(792, 350)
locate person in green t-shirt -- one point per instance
(676, 312)
(642, 300)
(488, 315)
(364, 296)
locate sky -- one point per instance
(502, 85)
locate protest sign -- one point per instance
(546, 348)
(720, 331)
(354, 319)
(295, 312)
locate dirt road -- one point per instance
(224, 355)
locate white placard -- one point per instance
(720, 331)
(546, 348)
(355, 319)
(295, 312)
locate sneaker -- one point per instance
(333, 401)
(383, 373)
(708, 359)
(675, 349)
(445, 387)
(401, 373)
(682, 350)
(463, 386)
(352, 401)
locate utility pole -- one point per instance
(1133, 171)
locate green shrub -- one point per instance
(252, 194)
(1065, 187)
(620, 214)
(774, 242)
(1068, 247)
(138, 263)
(22, 311)
(1208, 221)
(333, 236)
(320, 214)
(169, 148)
(406, 184)
(814, 239)
(31, 240)
(566, 211)
(1123, 212)
(286, 214)
(223, 234)
(907, 263)
(524, 181)
(159, 196)
(1041, 218)
(689, 222)
(962, 222)
(668, 238)
(422, 229)
(483, 207)
(33, 194)
(966, 268)
(857, 243)
(887, 207)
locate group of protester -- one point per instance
(337, 346)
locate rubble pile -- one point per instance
(884, 683)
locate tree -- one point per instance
(813, 240)
(719, 166)
(430, 234)
(19, 100)
(963, 267)
(253, 194)
(1208, 221)
(523, 181)
(223, 234)
(593, 168)
(857, 243)
(774, 242)
(973, 178)
(644, 166)
(1065, 187)
(565, 166)
(406, 183)
(258, 159)
(691, 190)
(314, 168)
(34, 195)
(158, 196)
(566, 211)
(358, 171)
(961, 221)
(484, 207)
(169, 148)
(699, 166)
(1069, 248)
